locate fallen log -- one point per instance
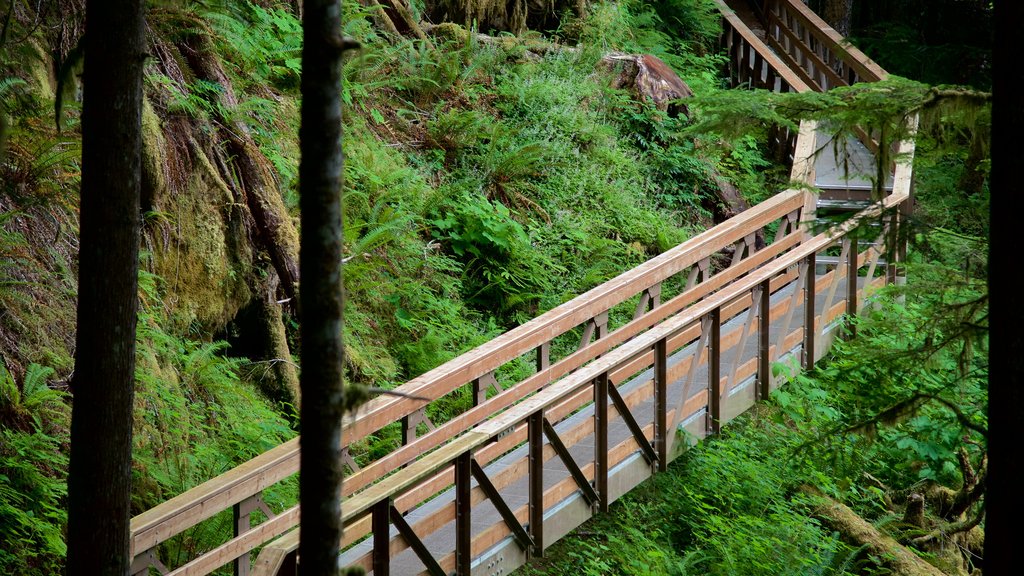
(856, 531)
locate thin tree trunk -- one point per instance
(99, 482)
(321, 299)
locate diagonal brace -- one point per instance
(433, 567)
(588, 491)
(518, 532)
(631, 423)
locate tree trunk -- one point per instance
(838, 14)
(321, 300)
(1004, 497)
(99, 481)
(254, 178)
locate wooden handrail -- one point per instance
(814, 64)
(865, 67)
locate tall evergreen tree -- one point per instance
(99, 481)
(320, 295)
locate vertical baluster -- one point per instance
(661, 433)
(463, 528)
(381, 526)
(601, 439)
(764, 372)
(543, 356)
(851, 283)
(808, 346)
(715, 372)
(535, 431)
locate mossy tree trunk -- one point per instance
(859, 533)
(321, 301)
(99, 482)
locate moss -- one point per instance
(154, 159)
(40, 71)
(206, 268)
(450, 31)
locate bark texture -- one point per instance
(99, 484)
(838, 14)
(321, 301)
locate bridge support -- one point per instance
(535, 433)
(810, 281)
(601, 440)
(715, 373)
(851, 283)
(661, 430)
(764, 368)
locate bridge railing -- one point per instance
(700, 260)
(812, 49)
(460, 464)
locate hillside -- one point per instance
(488, 178)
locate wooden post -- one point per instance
(661, 432)
(543, 356)
(463, 506)
(764, 370)
(715, 373)
(480, 386)
(601, 440)
(241, 514)
(809, 288)
(535, 431)
(851, 283)
(381, 537)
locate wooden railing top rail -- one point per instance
(865, 67)
(794, 81)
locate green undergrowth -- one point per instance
(487, 183)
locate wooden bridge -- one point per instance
(495, 485)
